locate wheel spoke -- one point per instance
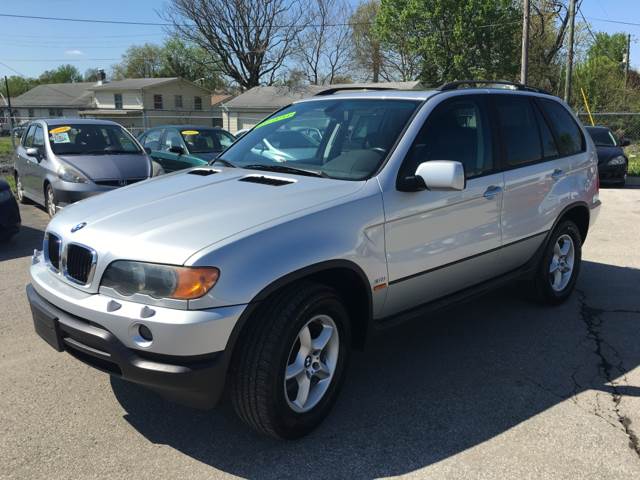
(304, 386)
(321, 340)
(554, 265)
(556, 249)
(324, 371)
(566, 246)
(557, 278)
(296, 368)
(305, 340)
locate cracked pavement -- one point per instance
(496, 388)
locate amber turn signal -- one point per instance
(194, 282)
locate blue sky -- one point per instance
(32, 46)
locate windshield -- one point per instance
(206, 141)
(90, 139)
(602, 137)
(345, 139)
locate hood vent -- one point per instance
(273, 181)
(203, 172)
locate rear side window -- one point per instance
(519, 129)
(549, 147)
(567, 133)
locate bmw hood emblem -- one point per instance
(79, 226)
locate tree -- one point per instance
(91, 75)
(249, 39)
(191, 62)
(62, 74)
(367, 45)
(141, 61)
(612, 47)
(17, 85)
(454, 39)
(323, 48)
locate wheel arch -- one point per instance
(579, 214)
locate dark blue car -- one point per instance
(612, 162)
(9, 213)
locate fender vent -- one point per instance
(273, 181)
(203, 172)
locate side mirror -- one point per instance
(176, 149)
(442, 175)
(148, 150)
(32, 152)
(625, 142)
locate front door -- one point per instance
(439, 242)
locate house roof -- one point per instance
(56, 95)
(217, 98)
(274, 97)
(134, 83)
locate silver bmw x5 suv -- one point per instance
(335, 217)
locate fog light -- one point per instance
(145, 333)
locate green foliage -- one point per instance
(610, 46)
(141, 61)
(12, 182)
(455, 40)
(17, 85)
(62, 74)
(6, 147)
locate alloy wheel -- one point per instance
(51, 202)
(562, 263)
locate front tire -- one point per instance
(291, 362)
(20, 190)
(50, 202)
(557, 274)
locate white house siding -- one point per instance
(23, 113)
(237, 120)
(131, 100)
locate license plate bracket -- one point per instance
(47, 326)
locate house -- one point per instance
(53, 100)
(247, 109)
(140, 103)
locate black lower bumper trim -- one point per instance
(194, 381)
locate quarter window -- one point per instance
(549, 147)
(519, 129)
(456, 130)
(157, 102)
(567, 132)
(117, 100)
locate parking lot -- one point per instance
(496, 388)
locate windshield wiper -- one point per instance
(226, 163)
(285, 169)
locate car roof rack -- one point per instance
(331, 91)
(489, 84)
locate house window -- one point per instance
(197, 103)
(157, 102)
(55, 112)
(31, 113)
(178, 101)
(117, 100)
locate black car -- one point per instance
(612, 162)
(9, 213)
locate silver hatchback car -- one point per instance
(61, 161)
(337, 216)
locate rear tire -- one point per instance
(557, 274)
(290, 363)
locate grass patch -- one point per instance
(633, 154)
(11, 181)
(6, 147)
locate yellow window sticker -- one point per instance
(279, 118)
(66, 128)
(190, 132)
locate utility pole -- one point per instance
(524, 62)
(627, 61)
(572, 21)
(6, 84)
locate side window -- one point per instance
(28, 138)
(172, 139)
(38, 137)
(549, 147)
(152, 140)
(567, 133)
(225, 139)
(519, 129)
(456, 130)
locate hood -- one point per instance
(607, 153)
(169, 218)
(110, 167)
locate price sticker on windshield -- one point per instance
(190, 132)
(279, 118)
(62, 137)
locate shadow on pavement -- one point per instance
(22, 244)
(424, 391)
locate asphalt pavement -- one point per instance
(496, 388)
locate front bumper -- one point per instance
(194, 381)
(68, 192)
(613, 173)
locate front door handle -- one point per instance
(557, 173)
(492, 191)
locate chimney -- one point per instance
(101, 77)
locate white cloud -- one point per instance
(74, 52)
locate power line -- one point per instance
(85, 20)
(61, 59)
(619, 22)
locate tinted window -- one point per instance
(519, 129)
(456, 130)
(549, 146)
(602, 137)
(565, 128)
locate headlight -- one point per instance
(69, 174)
(619, 160)
(159, 281)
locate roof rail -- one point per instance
(331, 91)
(490, 84)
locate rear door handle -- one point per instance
(492, 191)
(557, 173)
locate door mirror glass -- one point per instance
(32, 152)
(442, 175)
(176, 149)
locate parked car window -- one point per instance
(602, 137)
(94, 139)
(172, 139)
(157, 102)
(456, 130)
(549, 147)
(197, 103)
(151, 139)
(565, 128)
(335, 155)
(38, 137)
(519, 129)
(206, 141)
(117, 100)
(28, 138)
